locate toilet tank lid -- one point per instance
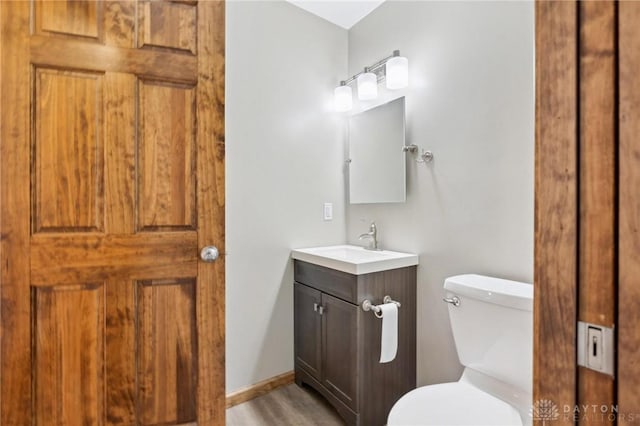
(508, 293)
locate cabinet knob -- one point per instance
(318, 308)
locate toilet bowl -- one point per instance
(492, 325)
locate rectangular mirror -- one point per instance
(377, 168)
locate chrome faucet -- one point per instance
(373, 234)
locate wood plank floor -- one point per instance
(288, 405)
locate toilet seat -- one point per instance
(456, 403)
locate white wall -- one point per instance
(470, 101)
(284, 159)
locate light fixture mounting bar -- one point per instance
(375, 68)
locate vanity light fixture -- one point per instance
(342, 97)
(397, 72)
(367, 86)
(394, 69)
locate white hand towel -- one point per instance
(389, 342)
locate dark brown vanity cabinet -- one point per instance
(326, 328)
(337, 343)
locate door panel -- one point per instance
(72, 18)
(121, 16)
(167, 25)
(167, 356)
(307, 326)
(120, 158)
(120, 352)
(68, 151)
(68, 354)
(167, 194)
(108, 316)
(339, 347)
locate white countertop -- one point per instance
(355, 259)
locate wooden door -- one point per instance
(307, 326)
(340, 349)
(111, 180)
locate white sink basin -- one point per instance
(354, 259)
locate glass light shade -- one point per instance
(397, 72)
(367, 86)
(342, 98)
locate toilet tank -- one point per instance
(493, 327)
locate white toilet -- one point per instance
(492, 324)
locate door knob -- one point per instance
(209, 253)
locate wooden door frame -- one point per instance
(586, 204)
(555, 252)
(629, 205)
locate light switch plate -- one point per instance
(596, 347)
(328, 211)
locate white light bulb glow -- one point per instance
(342, 98)
(397, 72)
(367, 86)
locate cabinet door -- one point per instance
(307, 326)
(339, 329)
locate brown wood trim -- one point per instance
(259, 389)
(598, 191)
(554, 366)
(64, 258)
(15, 310)
(1, 212)
(629, 215)
(50, 51)
(597, 162)
(210, 296)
